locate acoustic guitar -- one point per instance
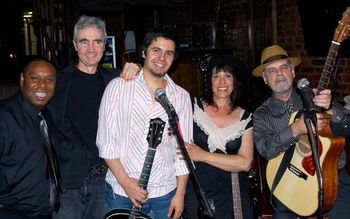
(154, 138)
(298, 187)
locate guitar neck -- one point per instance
(147, 167)
(236, 194)
(329, 67)
(135, 212)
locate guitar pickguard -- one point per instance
(303, 148)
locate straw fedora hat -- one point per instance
(272, 54)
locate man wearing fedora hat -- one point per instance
(273, 134)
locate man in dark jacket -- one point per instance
(79, 91)
(29, 181)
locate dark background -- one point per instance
(319, 19)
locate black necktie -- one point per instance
(290, 107)
(52, 165)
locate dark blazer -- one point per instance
(73, 153)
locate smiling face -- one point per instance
(159, 57)
(90, 45)
(279, 77)
(38, 83)
(222, 84)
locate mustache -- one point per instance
(280, 78)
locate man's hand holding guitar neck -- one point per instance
(135, 193)
(323, 100)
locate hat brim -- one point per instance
(258, 71)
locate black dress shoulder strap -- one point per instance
(246, 114)
(197, 100)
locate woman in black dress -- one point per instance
(222, 141)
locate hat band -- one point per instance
(274, 58)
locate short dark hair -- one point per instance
(38, 59)
(166, 33)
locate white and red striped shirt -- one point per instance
(124, 119)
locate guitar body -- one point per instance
(123, 214)
(300, 194)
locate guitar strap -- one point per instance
(282, 168)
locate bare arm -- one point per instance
(238, 162)
(135, 193)
(177, 203)
(130, 70)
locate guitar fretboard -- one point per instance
(237, 205)
(329, 67)
(135, 212)
(147, 167)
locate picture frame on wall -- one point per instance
(109, 59)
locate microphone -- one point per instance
(164, 101)
(306, 92)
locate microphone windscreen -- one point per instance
(303, 83)
(159, 92)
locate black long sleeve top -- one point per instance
(24, 186)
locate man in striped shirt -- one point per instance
(124, 120)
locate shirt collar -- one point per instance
(170, 89)
(28, 107)
(279, 105)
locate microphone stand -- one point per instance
(207, 206)
(310, 117)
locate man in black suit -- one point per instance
(26, 187)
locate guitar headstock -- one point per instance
(155, 132)
(342, 32)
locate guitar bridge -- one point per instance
(297, 172)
